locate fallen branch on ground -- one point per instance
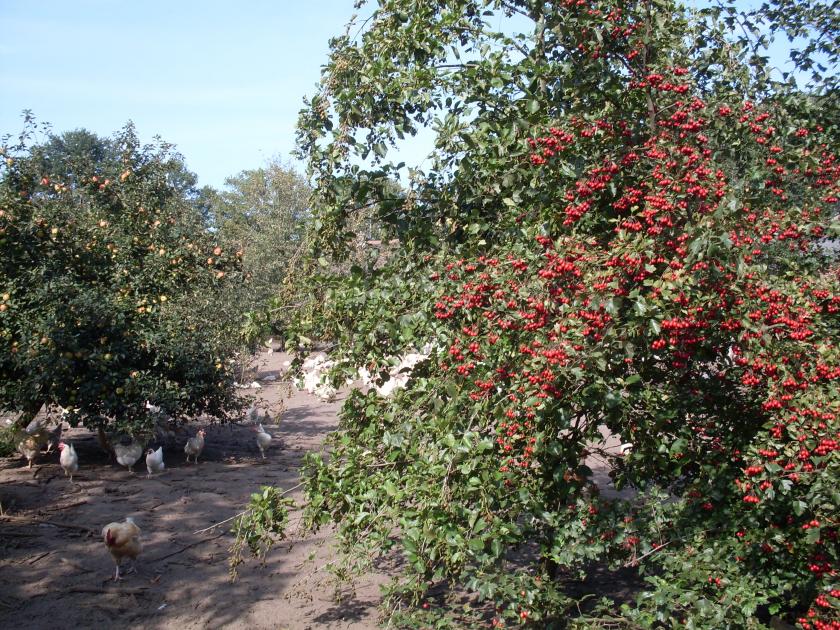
(243, 513)
(105, 591)
(78, 567)
(29, 519)
(192, 544)
(67, 506)
(37, 557)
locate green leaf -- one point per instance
(632, 379)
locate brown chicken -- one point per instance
(195, 445)
(29, 448)
(37, 434)
(123, 541)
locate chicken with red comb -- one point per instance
(123, 541)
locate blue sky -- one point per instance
(221, 80)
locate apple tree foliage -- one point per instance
(627, 227)
(108, 285)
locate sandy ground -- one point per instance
(55, 570)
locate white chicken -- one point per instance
(128, 455)
(154, 461)
(195, 445)
(68, 459)
(155, 409)
(122, 541)
(263, 439)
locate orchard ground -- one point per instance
(55, 571)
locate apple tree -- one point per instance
(108, 286)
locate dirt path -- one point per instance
(54, 568)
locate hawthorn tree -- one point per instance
(108, 288)
(625, 228)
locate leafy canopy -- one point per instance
(110, 284)
(625, 229)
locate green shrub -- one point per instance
(623, 229)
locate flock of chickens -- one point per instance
(37, 435)
(123, 538)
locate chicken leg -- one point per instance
(132, 568)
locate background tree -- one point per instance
(80, 153)
(110, 284)
(263, 214)
(622, 228)
(77, 153)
